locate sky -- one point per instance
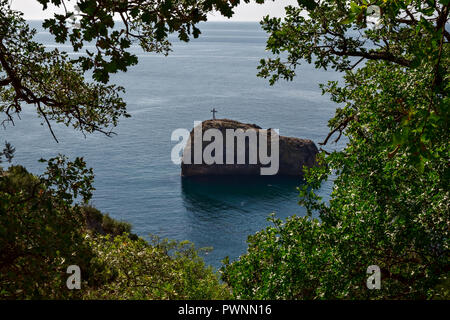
(245, 12)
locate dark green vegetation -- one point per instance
(43, 231)
(390, 202)
(55, 83)
(45, 223)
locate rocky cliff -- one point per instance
(294, 153)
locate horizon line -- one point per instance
(233, 21)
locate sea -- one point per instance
(135, 178)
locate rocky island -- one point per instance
(293, 153)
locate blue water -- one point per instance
(134, 176)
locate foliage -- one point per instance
(390, 202)
(46, 223)
(163, 269)
(40, 228)
(43, 230)
(48, 79)
(55, 83)
(102, 223)
(7, 152)
(282, 261)
(147, 22)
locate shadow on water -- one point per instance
(222, 211)
(232, 194)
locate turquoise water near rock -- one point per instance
(134, 176)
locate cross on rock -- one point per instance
(214, 113)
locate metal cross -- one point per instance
(214, 113)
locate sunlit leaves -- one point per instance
(390, 200)
(45, 226)
(161, 269)
(146, 22)
(52, 82)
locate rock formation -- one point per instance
(294, 153)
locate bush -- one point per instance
(390, 201)
(135, 269)
(103, 224)
(40, 236)
(43, 231)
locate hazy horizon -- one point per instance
(251, 12)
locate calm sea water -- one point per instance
(134, 176)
